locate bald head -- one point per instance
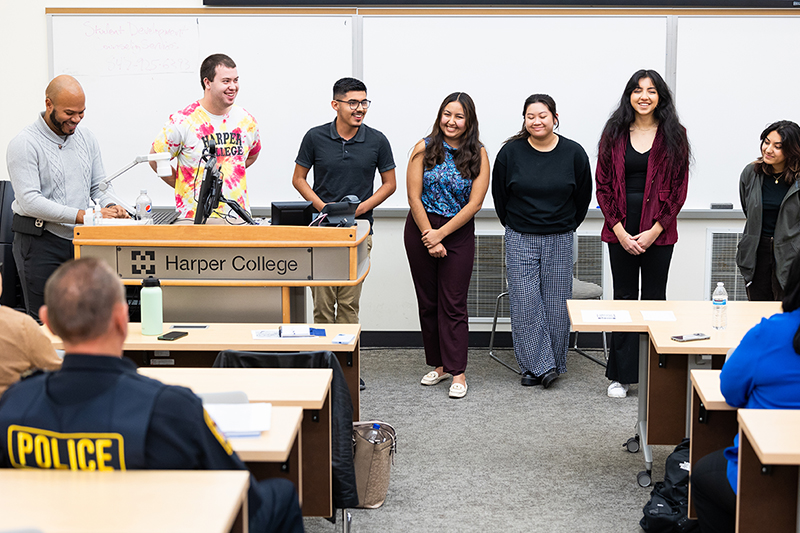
(63, 86)
(65, 103)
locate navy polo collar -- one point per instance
(358, 137)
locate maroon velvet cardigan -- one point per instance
(664, 190)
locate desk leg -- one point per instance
(292, 469)
(644, 478)
(241, 522)
(316, 450)
(351, 368)
(716, 431)
(666, 402)
(765, 500)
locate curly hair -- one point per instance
(467, 157)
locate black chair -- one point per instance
(345, 494)
(12, 292)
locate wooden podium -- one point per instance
(222, 273)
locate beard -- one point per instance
(59, 125)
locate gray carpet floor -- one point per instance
(505, 458)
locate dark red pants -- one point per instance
(442, 286)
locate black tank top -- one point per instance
(635, 179)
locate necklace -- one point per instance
(635, 127)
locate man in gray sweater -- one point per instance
(55, 169)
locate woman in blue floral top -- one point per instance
(447, 180)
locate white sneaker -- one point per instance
(617, 390)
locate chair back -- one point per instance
(345, 494)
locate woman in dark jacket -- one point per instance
(642, 177)
(770, 196)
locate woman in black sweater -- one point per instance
(542, 186)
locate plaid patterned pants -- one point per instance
(539, 270)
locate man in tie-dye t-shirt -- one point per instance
(215, 116)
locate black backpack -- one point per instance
(667, 510)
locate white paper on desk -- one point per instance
(240, 419)
(659, 316)
(286, 331)
(343, 338)
(264, 334)
(599, 317)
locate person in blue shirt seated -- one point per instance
(763, 372)
(97, 413)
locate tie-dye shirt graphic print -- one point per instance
(186, 135)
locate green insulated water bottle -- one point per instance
(152, 307)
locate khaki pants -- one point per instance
(338, 305)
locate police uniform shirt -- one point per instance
(179, 433)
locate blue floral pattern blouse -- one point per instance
(444, 191)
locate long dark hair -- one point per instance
(790, 146)
(619, 123)
(468, 155)
(791, 301)
(538, 98)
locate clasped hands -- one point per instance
(432, 239)
(638, 244)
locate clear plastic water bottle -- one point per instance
(374, 435)
(144, 207)
(719, 320)
(152, 307)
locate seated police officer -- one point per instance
(97, 413)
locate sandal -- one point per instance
(432, 378)
(457, 390)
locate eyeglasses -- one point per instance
(355, 103)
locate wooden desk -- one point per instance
(713, 422)
(663, 365)
(769, 455)
(305, 388)
(201, 346)
(61, 501)
(277, 452)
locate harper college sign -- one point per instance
(214, 263)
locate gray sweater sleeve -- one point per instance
(26, 161)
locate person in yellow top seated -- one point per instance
(23, 346)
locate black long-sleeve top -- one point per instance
(542, 192)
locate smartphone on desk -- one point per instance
(172, 335)
(690, 337)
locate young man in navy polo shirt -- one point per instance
(344, 155)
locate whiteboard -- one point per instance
(412, 63)
(137, 70)
(736, 75)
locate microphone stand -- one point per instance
(211, 161)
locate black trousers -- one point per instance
(37, 258)
(441, 286)
(279, 511)
(765, 286)
(623, 354)
(713, 497)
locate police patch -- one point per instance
(39, 448)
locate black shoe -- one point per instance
(529, 380)
(361, 384)
(549, 377)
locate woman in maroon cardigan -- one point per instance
(642, 175)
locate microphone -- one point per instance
(212, 147)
